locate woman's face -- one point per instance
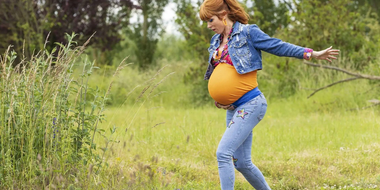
(216, 25)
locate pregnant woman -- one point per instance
(234, 59)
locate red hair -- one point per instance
(218, 8)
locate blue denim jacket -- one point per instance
(245, 47)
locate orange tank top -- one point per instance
(226, 85)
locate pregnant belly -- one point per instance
(226, 85)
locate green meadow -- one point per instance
(78, 126)
(163, 142)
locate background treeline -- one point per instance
(349, 25)
(26, 24)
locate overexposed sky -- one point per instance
(168, 17)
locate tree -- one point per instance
(18, 24)
(146, 32)
(267, 15)
(195, 31)
(197, 37)
(33, 20)
(348, 25)
(318, 23)
(374, 6)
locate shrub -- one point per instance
(48, 119)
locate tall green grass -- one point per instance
(48, 120)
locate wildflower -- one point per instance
(55, 130)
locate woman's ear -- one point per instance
(224, 14)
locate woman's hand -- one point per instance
(326, 54)
(226, 107)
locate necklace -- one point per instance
(218, 57)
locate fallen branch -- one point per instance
(356, 76)
(343, 70)
(332, 84)
(363, 108)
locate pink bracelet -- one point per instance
(307, 54)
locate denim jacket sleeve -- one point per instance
(263, 41)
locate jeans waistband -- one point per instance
(247, 97)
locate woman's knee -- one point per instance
(223, 155)
(242, 165)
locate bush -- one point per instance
(48, 120)
(319, 24)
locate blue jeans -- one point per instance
(235, 146)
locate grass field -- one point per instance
(294, 146)
(324, 142)
(156, 138)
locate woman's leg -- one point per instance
(243, 163)
(240, 123)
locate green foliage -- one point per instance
(373, 4)
(197, 37)
(20, 27)
(145, 33)
(174, 48)
(194, 77)
(267, 15)
(319, 24)
(48, 119)
(137, 87)
(195, 31)
(32, 21)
